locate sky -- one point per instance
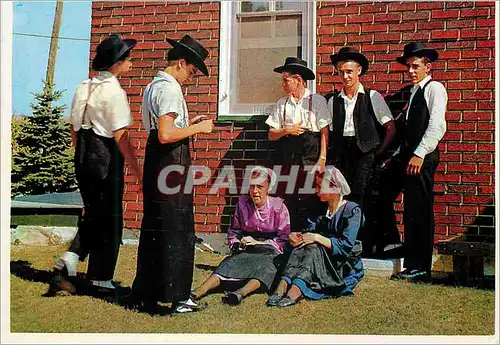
(30, 54)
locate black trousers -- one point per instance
(418, 216)
(301, 150)
(100, 230)
(99, 173)
(356, 166)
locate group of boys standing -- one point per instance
(361, 131)
(351, 131)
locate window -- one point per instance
(256, 37)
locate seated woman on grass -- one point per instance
(325, 261)
(258, 234)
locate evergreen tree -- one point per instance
(43, 156)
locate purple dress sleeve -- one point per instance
(235, 233)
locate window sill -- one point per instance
(240, 117)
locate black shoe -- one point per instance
(100, 292)
(232, 298)
(420, 277)
(411, 274)
(400, 275)
(286, 302)
(188, 306)
(151, 307)
(273, 300)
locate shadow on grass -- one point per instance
(205, 267)
(448, 279)
(24, 270)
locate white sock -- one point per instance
(70, 260)
(103, 283)
(189, 302)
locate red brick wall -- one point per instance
(463, 32)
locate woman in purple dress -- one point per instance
(258, 234)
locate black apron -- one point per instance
(301, 150)
(99, 173)
(298, 149)
(166, 246)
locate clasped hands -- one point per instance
(299, 240)
(295, 129)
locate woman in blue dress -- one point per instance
(325, 260)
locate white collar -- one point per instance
(104, 77)
(421, 83)
(341, 203)
(168, 77)
(307, 93)
(361, 89)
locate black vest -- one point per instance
(417, 122)
(367, 135)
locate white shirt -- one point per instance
(436, 98)
(381, 109)
(162, 96)
(298, 110)
(107, 110)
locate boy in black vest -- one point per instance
(358, 115)
(412, 169)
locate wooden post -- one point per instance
(53, 43)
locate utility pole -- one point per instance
(53, 43)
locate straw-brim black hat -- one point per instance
(110, 50)
(297, 66)
(349, 53)
(419, 50)
(191, 50)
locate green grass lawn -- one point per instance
(380, 307)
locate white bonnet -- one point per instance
(336, 182)
(265, 172)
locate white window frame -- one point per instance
(228, 25)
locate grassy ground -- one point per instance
(380, 306)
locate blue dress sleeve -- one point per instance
(347, 223)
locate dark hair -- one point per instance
(425, 60)
(124, 56)
(344, 61)
(174, 54)
(177, 54)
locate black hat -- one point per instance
(419, 50)
(349, 53)
(296, 65)
(110, 50)
(191, 50)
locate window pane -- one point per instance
(255, 27)
(254, 6)
(287, 24)
(263, 44)
(288, 5)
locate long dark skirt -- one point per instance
(322, 272)
(165, 259)
(255, 263)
